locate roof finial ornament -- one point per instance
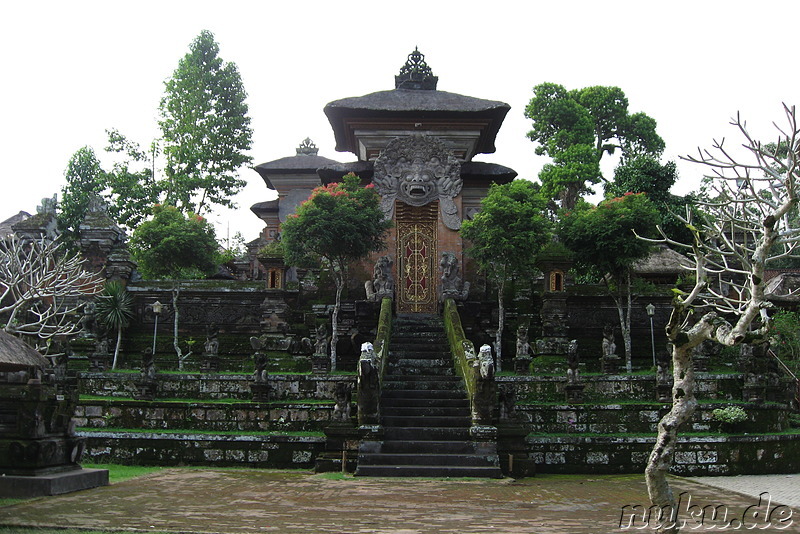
(307, 148)
(416, 74)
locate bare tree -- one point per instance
(745, 227)
(41, 286)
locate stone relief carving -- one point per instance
(382, 284)
(452, 287)
(418, 170)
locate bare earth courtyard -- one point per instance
(240, 500)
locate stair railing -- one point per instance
(477, 370)
(372, 367)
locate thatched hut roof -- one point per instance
(662, 261)
(16, 355)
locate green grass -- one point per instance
(118, 473)
(298, 433)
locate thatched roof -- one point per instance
(784, 287)
(15, 354)
(661, 261)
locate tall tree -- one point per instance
(205, 129)
(340, 224)
(603, 243)
(748, 230)
(505, 237)
(131, 187)
(84, 180)
(576, 128)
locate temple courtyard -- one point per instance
(203, 500)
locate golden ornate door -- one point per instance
(416, 249)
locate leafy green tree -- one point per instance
(339, 223)
(173, 245)
(84, 180)
(645, 174)
(114, 310)
(205, 129)
(576, 128)
(131, 187)
(604, 244)
(506, 235)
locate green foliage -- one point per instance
(131, 187)
(509, 231)
(84, 180)
(173, 245)
(114, 306)
(576, 128)
(602, 238)
(785, 334)
(729, 415)
(205, 128)
(340, 222)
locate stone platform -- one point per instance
(54, 484)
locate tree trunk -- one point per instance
(116, 349)
(339, 278)
(683, 406)
(176, 291)
(622, 300)
(501, 316)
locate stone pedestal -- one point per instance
(610, 364)
(664, 392)
(341, 448)
(146, 390)
(522, 366)
(210, 363)
(260, 391)
(513, 451)
(20, 487)
(98, 362)
(574, 393)
(320, 364)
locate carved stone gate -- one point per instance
(416, 250)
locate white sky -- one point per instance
(71, 70)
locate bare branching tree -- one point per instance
(41, 286)
(745, 227)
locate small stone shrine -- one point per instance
(39, 452)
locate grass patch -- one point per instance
(298, 433)
(118, 473)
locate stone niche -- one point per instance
(39, 452)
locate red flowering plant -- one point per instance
(340, 223)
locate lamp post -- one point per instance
(651, 311)
(157, 309)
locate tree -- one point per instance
(205, 129)
(645, 174)
(40, 288)
(339, 223)
(130, 186)
(604, 244)
(114, 310)
(747, 230)
(576, 128)
(506, 235)
(173, 245)
(84, 180)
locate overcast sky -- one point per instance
(71, 70)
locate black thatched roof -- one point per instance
(334, 173)
(16, 355)
(269, 206)
(416, 104)
(498, 173)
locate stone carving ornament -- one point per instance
(418, 170)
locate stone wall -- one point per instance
(695, 456)
(274, 451)
(214, 386)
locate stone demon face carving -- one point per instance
(417, 170)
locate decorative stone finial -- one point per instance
(416, 74)
(307, 148)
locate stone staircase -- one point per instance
(425, 411)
